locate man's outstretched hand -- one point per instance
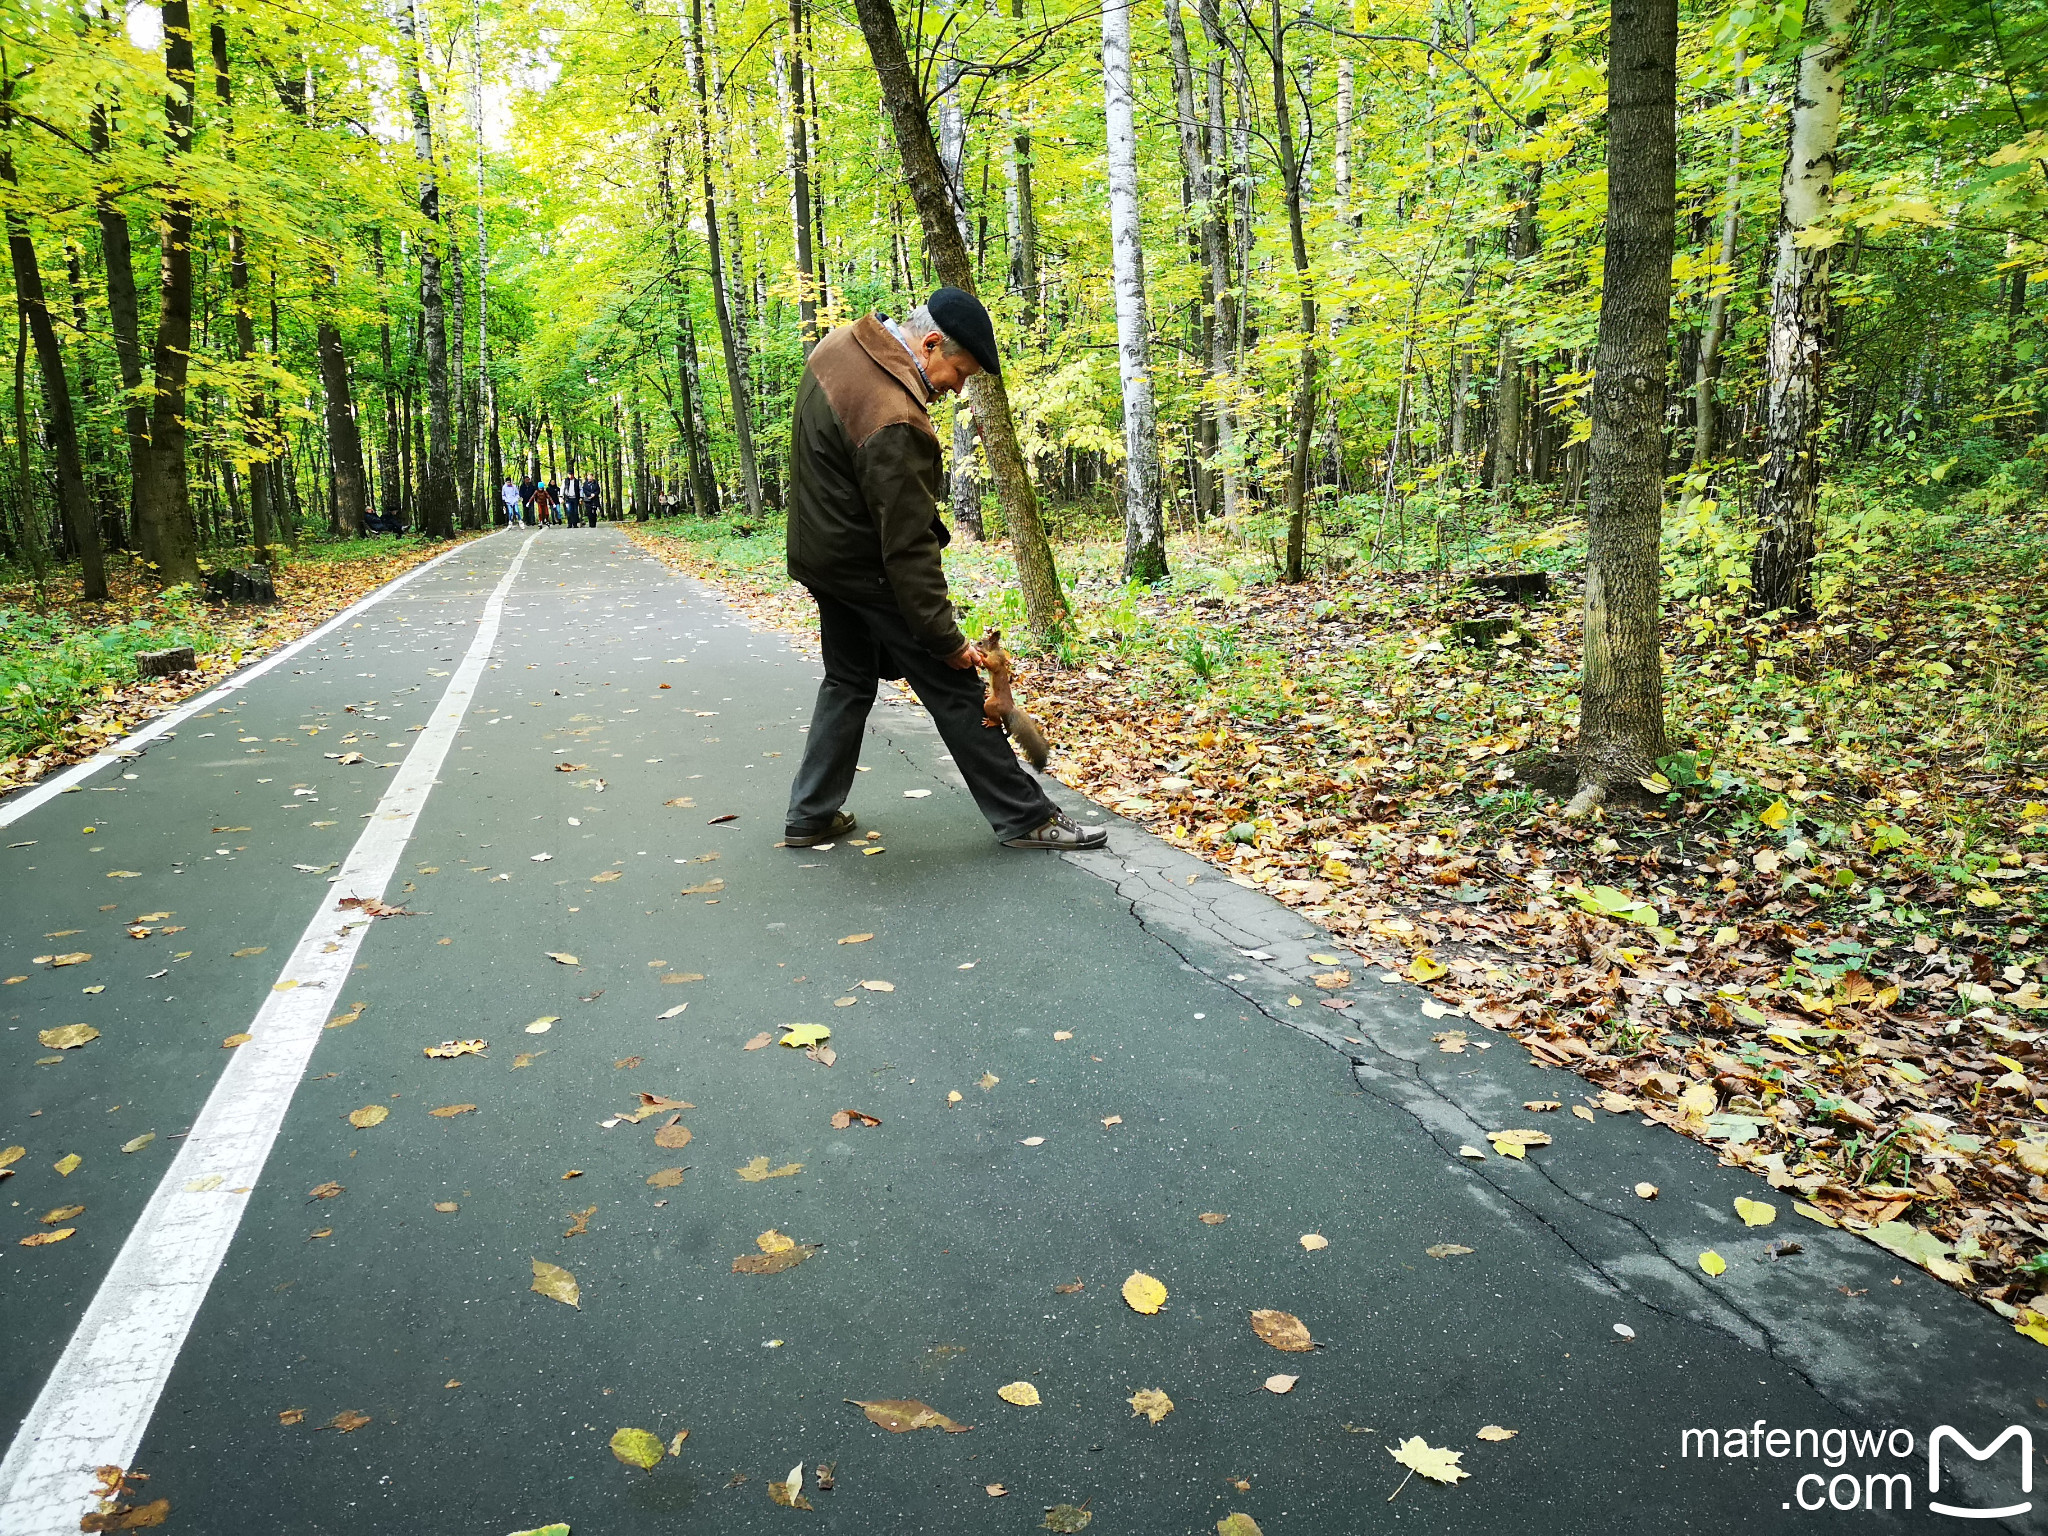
(967, 656)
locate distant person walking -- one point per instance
(544, 503)
(592, 499)
(527, 490)
(509, 495)
(865, 538)
(572, 498)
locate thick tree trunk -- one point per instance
(1781, 567)
(164, 526)
(344, 436)
(1708, 373)
(1197, 165)
(463, 454)
(1024, 236)
(728, 338)
(437, 493)
(1144, 526)
(487, 395)
(1510, 406)
(392, 454)
(963, 485)
(1045, 606)
(123, 313)
(1621, 694)
(73, 500)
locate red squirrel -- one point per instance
(999, 710)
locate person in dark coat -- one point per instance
(864, 536)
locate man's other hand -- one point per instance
(967, 656)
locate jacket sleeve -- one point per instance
(899, 479)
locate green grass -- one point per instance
(54, 668)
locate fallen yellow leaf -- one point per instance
(68, 1037)
(1646, 1190)
(637, 1448)
(856, 938)
(369, 1115)
(243, 1038)
(1426, 967)
(1022, 1393)
(1418, 1455)
(67, 1164)
(450, 1111)
(1151, 1402)
(1144, 1294)
(1755, 1213)
(1495, 1432)
(556, 1283)
(1713, 1263)
(758, 1169)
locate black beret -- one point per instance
(960, 316)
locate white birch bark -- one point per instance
(1781, 569)
(1144, 530)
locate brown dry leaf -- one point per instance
(43, 1239)
(878, 986)
(682, 800)
(775, 1260)
(667, 1178)
(579, 1222)
(856, 938)
(369, 1115)
(1280, 1385)
(1445, 1250)
(1515, 1144)
(1112, 1120)
(1333, 981)
(573, 1173)
(325, 1191)
(672, 1137)
(1151, 1403)
(291, 1416)
(1282, 1330)
(1068, 1290)
(556, 1283)
(243, 954)
(1213, 1218)
(760, 1040)
(995, 1490)
(758, 1169)
(842, 1119)
(1582, 1112)
(709, 887)
(139, 1517)
(450, 1111)
(77, 958)
(449, 1049)
(343, 1020)
(789, 1493)
(625, 1063)
(901, 1415)
(1541, 1106)
(606, 875)
(1495, 1432)
(348, 1421)
(1067, 1519)
(323, 1232)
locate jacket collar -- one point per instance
(890, 356)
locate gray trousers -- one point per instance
(863, 643)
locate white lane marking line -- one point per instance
(94, 1408)
(120, 751)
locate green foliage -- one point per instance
(54, 669)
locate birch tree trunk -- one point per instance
(1222, 296)
(1708, 373)
(1198, 166)
(437, 489)
(1144, 526)
(1045, 606)
(164, 527)
(1781, 566)
(1621, 692)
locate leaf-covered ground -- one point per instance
(68, 683)
(1814, 946)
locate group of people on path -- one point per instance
(538, 503)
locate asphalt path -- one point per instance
(568, 765)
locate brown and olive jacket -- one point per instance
(864, 477)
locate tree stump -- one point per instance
(1482, 631)
(1516, 586)
(250, 585)
(179, 658)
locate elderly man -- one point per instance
(865, 537)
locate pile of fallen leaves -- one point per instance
(1808, 950)
(310, 591)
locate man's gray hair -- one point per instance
(919, 324)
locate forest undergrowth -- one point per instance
(68, 678)
(1817, 944)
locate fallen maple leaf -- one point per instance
(1418, 1455)
(901, 1415)
(1150, 1402)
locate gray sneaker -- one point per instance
(1061, 833)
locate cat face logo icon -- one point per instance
(1946, 1432)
